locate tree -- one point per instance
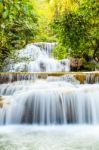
(78, 31)
(18, 26)
(45, 16)
(47, 9)
(58, 6)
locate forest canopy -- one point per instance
(78, 31)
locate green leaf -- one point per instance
(1, 7)
(5, 14)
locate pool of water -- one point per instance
(49, 137)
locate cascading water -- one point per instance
(49, 102)
(43, 101)
(39, 59)
(47, 47)
(26, 99)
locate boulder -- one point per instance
(76, 63)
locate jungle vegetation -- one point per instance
(73, 24)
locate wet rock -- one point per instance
(76, 63)
(5, 100)
(1, 101)
(42, 76)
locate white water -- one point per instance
(49, 138)
(50, 102)
(39, 59)
(55, 100)
(46, 47)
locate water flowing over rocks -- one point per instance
(37, 58)
(42, 91)
(54, 100)
(82, 77)
(45, 46)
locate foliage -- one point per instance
(18, 26)
(78, 31)
(45, 16)
(59, 6)
(46, 10)
(89, 66)
(59, 52)
(75, 24)
(97, 66)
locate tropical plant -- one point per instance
(78, 31)
(18, 26)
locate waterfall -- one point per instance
(7, 78)
(45, 46)
(49, 102)
(31, 92)
(90, 78)
(37, 58)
